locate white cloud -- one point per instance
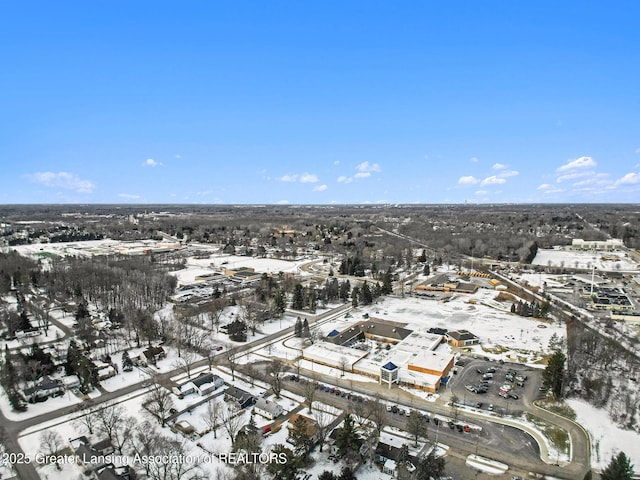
(548, 188)
(629, 179)
(362, 175)
(578, 163)
(499, 166)
(572, 176)
(493, 180)
(482, 192)
(468, 180)
(368, 167)
(343, 179)
(150, 162)
(320, 188)
(508, 173)
(638, 150)
(177, 156)
(302, 178)
(129, 196)
(337, 162)
(308, 178)
(66, 180)
(283, 202)
(474, 159)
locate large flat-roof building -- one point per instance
(412, 362)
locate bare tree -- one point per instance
(323, 418)
(232, 420)
(88, 419)
(214, 311)
(174, 470)
(146, 441)
(123, 432)
(416, 426)
(275, 372)
(51, 443)
(232, 361)
(159, 402)
(360, 413)
(109, 419)
(310, 394)
(378, 414)
(212, 416)
(185, 361)
(344, 363)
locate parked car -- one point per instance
(490, 407)
(514, 396)
(491, 370)
(466, 428)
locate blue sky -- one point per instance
(319, 102)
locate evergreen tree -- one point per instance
(429, 467)
(25, 323)
(355, 294)
(619, 468)
(346, 474)
(327, 475)
(8, 374)
(127, 364)
(345, 288)
(298, 298)
(73, 354)
(426, 270)
(365, 294)
(287, 470)
(82, 311)
(299, 435)
(297, 328)
(306, 333)
(280, 303)
(387, 285)
(347, 439)
(553, 374)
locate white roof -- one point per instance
(331, 354)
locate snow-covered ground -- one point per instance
(558, 257)
(606, 439)
(202, 266)
(502, 334)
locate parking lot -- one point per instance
(495, 386)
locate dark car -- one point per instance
(451, 425)
(436, 421)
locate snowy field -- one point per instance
(557, 257)
(502, 334)
(202, 266)
(606, 439)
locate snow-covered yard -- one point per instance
(606, 439)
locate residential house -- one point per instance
(239, 397)
(267, 408)
(44, 389)
(152, 355)
(203, 384)
(111, 472)
(89, 455)
(313, 429)
(389, 456)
